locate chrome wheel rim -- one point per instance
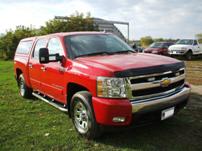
(22, 87)
(81, 119)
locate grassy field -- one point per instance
(34, 125)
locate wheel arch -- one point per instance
(189, 54)
(190, 50)
(18, 73)
(73, 88)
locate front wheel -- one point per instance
(24, 91)
(83, 116)
(189, 55)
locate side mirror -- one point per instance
(43, 55)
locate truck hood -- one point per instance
(120, 62)
(178, 47)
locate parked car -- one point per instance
(99, 80)
(187, 48)
(137, 48)
(160, 48)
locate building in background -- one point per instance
(107, 26)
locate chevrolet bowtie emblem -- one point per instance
(165, 82)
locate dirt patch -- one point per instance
(196, 89)
(194, 72)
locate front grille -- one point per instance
(157, 77)
(150, 91)
(151, 85)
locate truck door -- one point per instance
(196, 47)
(52, 75)
(35, 66)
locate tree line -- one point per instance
(76, 22)
(148, 40)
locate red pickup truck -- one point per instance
(99, 80)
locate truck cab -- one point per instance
(99, 80)
(186, 47)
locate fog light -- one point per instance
(118, 119)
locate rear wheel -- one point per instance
(24, 91)
(83, 116)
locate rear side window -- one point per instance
(24, 47)
(41, 43)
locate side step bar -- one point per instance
(56, 105)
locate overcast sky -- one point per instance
(157, 18)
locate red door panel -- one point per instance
(35, 74)
(51, 76)
(52, 81)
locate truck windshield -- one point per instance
(185, 42)
(95, 44)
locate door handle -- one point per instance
(43, 68)
(30, 65)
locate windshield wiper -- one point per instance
(124, 51)
(94, 54)
(105, 53)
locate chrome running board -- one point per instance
(56, 105)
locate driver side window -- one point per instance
(195, 42)
(54, 46)
(41, 43)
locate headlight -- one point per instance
(112, 87)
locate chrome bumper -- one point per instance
(155, 104)
(177, 52)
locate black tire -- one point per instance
(189, 55)
(24, 91)
(90, 128)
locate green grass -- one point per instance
(34, 125)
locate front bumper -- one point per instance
(106, 109)
(177, 52)
(155, 104)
